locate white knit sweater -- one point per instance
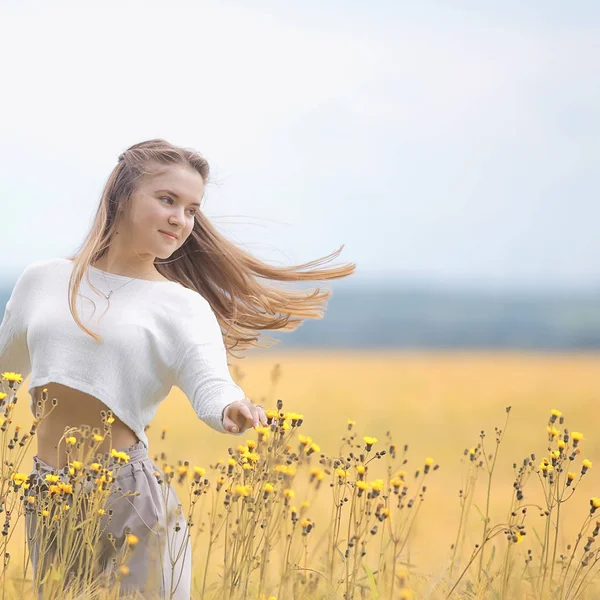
(156, 334)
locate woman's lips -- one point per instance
(172, 237)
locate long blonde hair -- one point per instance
(229, 278)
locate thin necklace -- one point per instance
(111, 290)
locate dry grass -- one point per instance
(437, 404)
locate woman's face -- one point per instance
(168, 202)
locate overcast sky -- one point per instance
(439, 141)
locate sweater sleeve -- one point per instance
(14, 353)
(202, 372)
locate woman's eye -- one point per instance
(192, 211)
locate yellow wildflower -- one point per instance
(19, 478)
(12, 377)
(318, 473)
(377, 485)
(243, 490)
(65, 488)
(120, 456)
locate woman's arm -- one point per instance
(203, 375)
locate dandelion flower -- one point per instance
(369, 441)
(12, 377)
(313, 448)
(243, 490)
(19, 478)
(317, 473)
(377, 485)
(120, 456)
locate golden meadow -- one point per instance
(381, 475)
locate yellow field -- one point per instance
(437, 403)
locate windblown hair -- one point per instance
(229, 278)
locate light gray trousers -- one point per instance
(162, 559)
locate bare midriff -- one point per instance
(73, 409)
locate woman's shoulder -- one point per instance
(37, 267)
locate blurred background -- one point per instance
(451, 147)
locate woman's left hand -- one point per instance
(243, 414)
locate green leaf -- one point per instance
(372, 584)
(480, 513)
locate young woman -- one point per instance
(139, 308)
